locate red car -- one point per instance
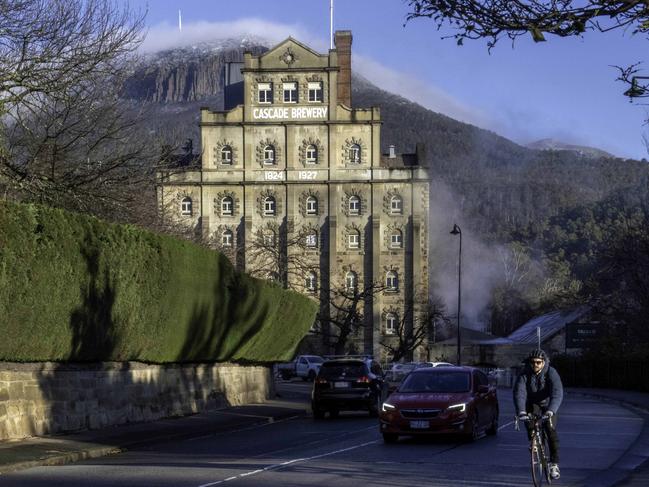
(441, 400)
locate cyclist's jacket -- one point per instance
(544, 389)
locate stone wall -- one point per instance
(46, 398)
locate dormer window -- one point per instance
(265, 92)
(290, 92)
(269, 155)
(226, 155)
(315, 91)
(355, 154)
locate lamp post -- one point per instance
(456, 231)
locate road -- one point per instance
(349, 452)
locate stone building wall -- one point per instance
(47, 398)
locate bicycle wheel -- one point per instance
(536, 453)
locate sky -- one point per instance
(563, 88)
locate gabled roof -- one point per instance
(550, 324)
(289, 40)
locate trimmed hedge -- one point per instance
(74, 288)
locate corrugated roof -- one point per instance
(550, 324)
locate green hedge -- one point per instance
(74, 288)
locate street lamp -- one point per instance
(456, 231)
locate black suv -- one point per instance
(350, 384)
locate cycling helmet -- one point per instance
(537, 353)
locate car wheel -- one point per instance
(333, 413)
(471, 427)
(311, 375)
(493, 428)
(317, 412)
(390, 438)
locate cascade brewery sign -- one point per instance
(582, 335)
(293, 113)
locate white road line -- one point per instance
(505, 425)
(245, 428)
(288, 462)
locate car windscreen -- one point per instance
(445, 382)
(314, 359)
(339, 370)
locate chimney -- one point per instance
(343, 42)
(392, 154)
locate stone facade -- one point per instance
(39, 399)
(293, 186)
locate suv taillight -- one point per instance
(363, 380)
(321, 380)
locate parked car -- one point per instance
(348, 384)
(397, 373)
(435, 400)
(421, 365)
(304, 366)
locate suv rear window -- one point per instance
(336, 369)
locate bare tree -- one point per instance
(68, 138)
(495, 19)
(415, 326)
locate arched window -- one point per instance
(226, 206)
(351, 281)
(354, 205)
(354, 240)
(270, 207)
(226, 155)
(186, 206)
(396, 239)
(269, 155)
(311, 240)
(311, 154)
(396, 205)
(355, 154)
(312, 205)
(311, 282)
(392, 281)
(226, 238)
(391, 323)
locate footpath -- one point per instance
(631, 470)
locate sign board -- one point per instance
(289, 113)
(583, 335)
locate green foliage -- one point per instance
(75, 288)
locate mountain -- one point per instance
(504, 187)
(582, 150)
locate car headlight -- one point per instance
(458, 408)
(386, 406)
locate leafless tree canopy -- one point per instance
(494, 19)
(67, 138)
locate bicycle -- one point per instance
(538, 449)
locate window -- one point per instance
(355, 154)
(311, 154)
(269, 238)
(265, 91)
(396, 240)
(392, 281)
(354, 240)
(396, 205)
(290, 92)
(391, 323)
(312, 205)
(186, 206)
(311, 281)
(354, 205)
(351, 281)
(312, 240)
(315, 91)
(226, 206)
(226, 238)
(226, 155)
(269, 154)
(269, 206)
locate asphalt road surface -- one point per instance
(349, 452)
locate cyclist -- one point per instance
(538, 390)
